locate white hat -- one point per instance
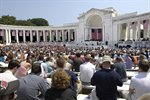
(107, 58)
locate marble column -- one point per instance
(119, 36)
(31, 36)
(7, 36)
(50, 36)
(56, 35)
(63, 35)
(86, 34)
(69, 35)
(148, 29)
(89, 32)
(44, 36)
(37, 36)
(17, 38)
(131, 32)
(138, 29)
(103, 33)
(24, 36)
(127, 31)
(75, 35)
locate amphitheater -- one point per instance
(103, 25)
(94, 28)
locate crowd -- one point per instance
(48, 71)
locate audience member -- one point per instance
(120, 68)
(32, 85)
(87, 70)
(140, 83)
(8, 75)
(60, 88)
(77, 62)
(23, 70)
(106, 81)
(60, 63)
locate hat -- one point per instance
(107, 58)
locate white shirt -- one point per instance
(87, 70)
(7, 76)
(141, 84)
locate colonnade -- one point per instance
(33, 35)
(134, 30)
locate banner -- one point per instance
(99, 34)
(46, 33)
(20, 33)
(1, 33)
(94, 34)
(33, 32)
(13, 33)
(27, 33)
(145, 24)
(41, 33)
(133, 25)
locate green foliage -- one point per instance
(11, 20)
(8, 20)
(39, 21)
(24, 23)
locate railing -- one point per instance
(134, 44)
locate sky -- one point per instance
(59, 12)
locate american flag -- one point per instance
(20, 33)
(27, 33)
(33, 32)
(65, 34)
(13, 33)
(46, 32)
(53, 33)
(133, 25)
(94, 34)
(1, 33)
(145, 24)
(41, 33)
(99, 35)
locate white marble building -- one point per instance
(94, 25)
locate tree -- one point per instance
(39, 21)
(8, 20)
(11, 20)
(24, 23)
